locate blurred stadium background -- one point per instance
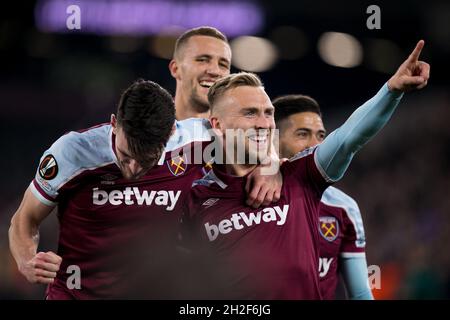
(53, 80)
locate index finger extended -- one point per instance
(414, 56)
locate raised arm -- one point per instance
(334, 155)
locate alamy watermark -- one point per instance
(73, 21)
(374, 20)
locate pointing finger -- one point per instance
(414, 56)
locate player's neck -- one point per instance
(185, 111)
(240, 170)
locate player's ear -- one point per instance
(216, 128)
(113, 123)
(215, 123)
(173, 67)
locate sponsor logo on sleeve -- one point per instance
(48, 169)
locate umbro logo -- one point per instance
(210, 202)
(108, 179)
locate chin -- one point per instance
(200, 102)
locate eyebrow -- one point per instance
(247, 109)
(309, 130)
(205, 55)
(256, 109)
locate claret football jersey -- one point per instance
(266, 253)
(111, 227)
(341, 236)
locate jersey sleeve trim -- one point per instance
(321, 170)
(352, 254)
(41, 195)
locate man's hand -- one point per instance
(41, 268)
(262, 188)
(412, 74)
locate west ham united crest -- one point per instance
(207, 167)
(329, 228)
(177, 165)
(48, 169)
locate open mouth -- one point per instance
(259, 140)
(206, 84)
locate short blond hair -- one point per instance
(231, 81)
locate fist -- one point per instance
(41, 268)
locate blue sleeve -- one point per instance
(187, 131)
(354, 272)
(335, 153)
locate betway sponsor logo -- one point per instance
(241, 220)
(131, 196)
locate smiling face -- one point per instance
(249, 109)
(198, 64)
(300, 131)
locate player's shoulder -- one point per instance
(296, 161)
(85, 149)
(204, 193)
(194, 129)
(85, 145)
(303, 154)
(69, 156)
(194, 123)
(188, 131)
(334, 197)
(86, 137)
(209, 180)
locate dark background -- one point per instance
(54, 82)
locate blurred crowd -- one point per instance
(401, 182)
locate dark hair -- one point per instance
(200, 31)
(288, 105)
(146, 114)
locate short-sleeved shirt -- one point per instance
(110, 226)
(341, 235)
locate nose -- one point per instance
(313, 141)
(263, 122)
(214, 70)
(134, 167)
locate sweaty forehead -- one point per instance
(205, 45)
